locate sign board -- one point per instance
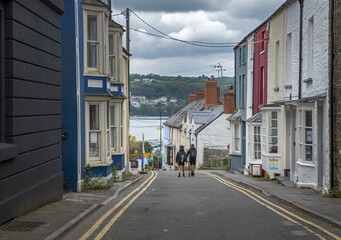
(273, 164)
(140, 164)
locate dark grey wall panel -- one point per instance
(26, 125)
(23, 34)
(25, 17)
(29, 160)
(35, 141)
(26, 53)
(33, 175)
(49, 190)
(32, 107)
(28, 179)
(25, 89)
(21, 70)
(44, 11)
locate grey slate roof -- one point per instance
(235, 117)
(255, 118)
(176, 120)
(215, 112)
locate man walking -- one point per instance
(192, 153)
(181, 159)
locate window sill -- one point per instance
(305, 164)
(308, 80)
(8, 151)
(100, 164)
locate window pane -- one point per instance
(111, 64)
(308, 153)
(111, 44)
(108, 114)
(94, 144)
(308, 136)
(113, 114)
(113, 134)
(108, 143)
(94, 117)
(273, 132)
(236, 144)
(121, 136)
(308, 119)
(273, 149)
(92, 54)
(92, 27)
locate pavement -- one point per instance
(305, 200)
(55, 220)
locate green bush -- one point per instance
(91, 182)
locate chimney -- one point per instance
(192, 97)
(211, 92)
(229, 102)
(200, 94)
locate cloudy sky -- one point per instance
(202, 21)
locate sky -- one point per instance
(225, 22)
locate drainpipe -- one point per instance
(331, 94)
(79, 139)
(300, 53)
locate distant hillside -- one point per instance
(173, 87)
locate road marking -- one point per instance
(123, 209)
(99, 221)
(244, 191)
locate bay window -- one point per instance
(306, 135)
(111, 55)
(94, 132)
(257, 143)
(92, 41)
(273, 132)
(95, 39)
(236, 137)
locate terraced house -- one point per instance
(95, 85)
(288, 65)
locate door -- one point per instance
(320, 139)
(293, 145)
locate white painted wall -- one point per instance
(216, 135)
(249, 94)
(292, 69)
(307, 174)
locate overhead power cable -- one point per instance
(194, 43)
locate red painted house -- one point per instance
(260, 68)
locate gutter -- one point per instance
(331, 94)
(79, 139)
(300, 53)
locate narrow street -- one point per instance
(163, 206)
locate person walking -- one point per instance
(181, 159)
(192, 153)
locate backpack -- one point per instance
(193, 153)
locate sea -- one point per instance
(148, 125)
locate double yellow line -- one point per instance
(113, 219)
(276, 209)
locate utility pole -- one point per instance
(127, 30)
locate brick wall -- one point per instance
(211, 92)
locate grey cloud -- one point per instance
(169, 5)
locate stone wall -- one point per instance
(212, 157)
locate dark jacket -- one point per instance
(180, 154)
(192, 150)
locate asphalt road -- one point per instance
(203, 207)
